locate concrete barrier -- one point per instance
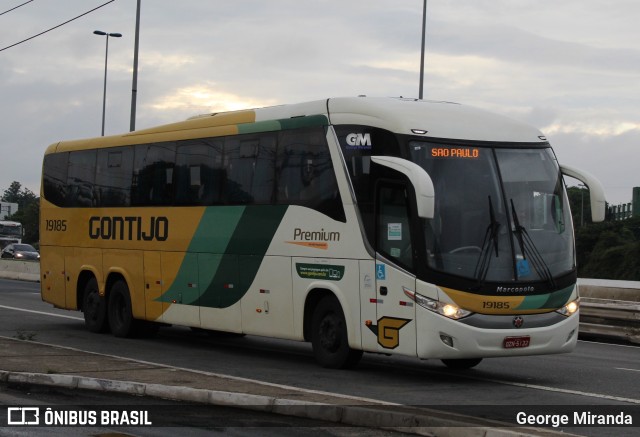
(608, 289)
(610, 309)
(20, 270)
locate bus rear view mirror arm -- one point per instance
(422, 183)
(596, 191)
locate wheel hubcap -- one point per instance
(329, 338)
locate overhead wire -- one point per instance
(55, 27)
(14, 8)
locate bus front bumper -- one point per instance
(443, 338)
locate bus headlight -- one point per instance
(570, 308)
(449, 310)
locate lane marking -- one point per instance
(563, 390)
(287, 387)
(41, 312)
(630, 370)
(218, 375)
(634, 346)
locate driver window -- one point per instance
(393, 230)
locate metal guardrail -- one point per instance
(610, 318)
(610, 309)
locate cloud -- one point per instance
(569, 68)
(205, 98)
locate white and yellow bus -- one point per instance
(387, 225)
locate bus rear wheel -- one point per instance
(461, 363)
(120, 315)
(329, 336)
(94, 308)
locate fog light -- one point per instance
(570, 336)
(446, 340)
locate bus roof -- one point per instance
(399, 115)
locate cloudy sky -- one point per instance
(570, 67)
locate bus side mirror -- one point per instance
(422, 183)
(596, 191)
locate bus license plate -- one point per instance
(516, 342)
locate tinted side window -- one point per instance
(393, 232)
(80, 178)
(263, 181)
(251, 162)
(199, 172)
(358, 144)
(306, 175)
(114, 172)
(54, 178)
(153, 174)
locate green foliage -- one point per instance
(28, 210)
(12, 194)
(609, 250)
(580, 204)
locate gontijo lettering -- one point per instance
(129, 228)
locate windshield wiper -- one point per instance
(490, 236)
(528, 247)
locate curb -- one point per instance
(419, 423)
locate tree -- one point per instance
(28, 210)
(609, 250)
(580, 203)
(12, 194)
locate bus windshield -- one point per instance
(501, 214)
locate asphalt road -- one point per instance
(593, 376)
(167, 418)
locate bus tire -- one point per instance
(120, 315)
(94, 308)
(461, 363)
(329, 336)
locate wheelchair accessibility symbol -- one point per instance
(381, 273)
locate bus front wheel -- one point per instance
(329, 336)
(120, 316)
(94, 308)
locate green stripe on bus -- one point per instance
(283, 124)
(260, 126)
(300, 122)
(216, 229)
(225, 254)
(559, 298)
(556, 299)
(244, 255)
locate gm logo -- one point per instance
(359, 140)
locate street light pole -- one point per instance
(582, 188)
(106, 57)
(134, 87)
(424, 28)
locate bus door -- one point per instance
(153, 285)
(395, 326)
